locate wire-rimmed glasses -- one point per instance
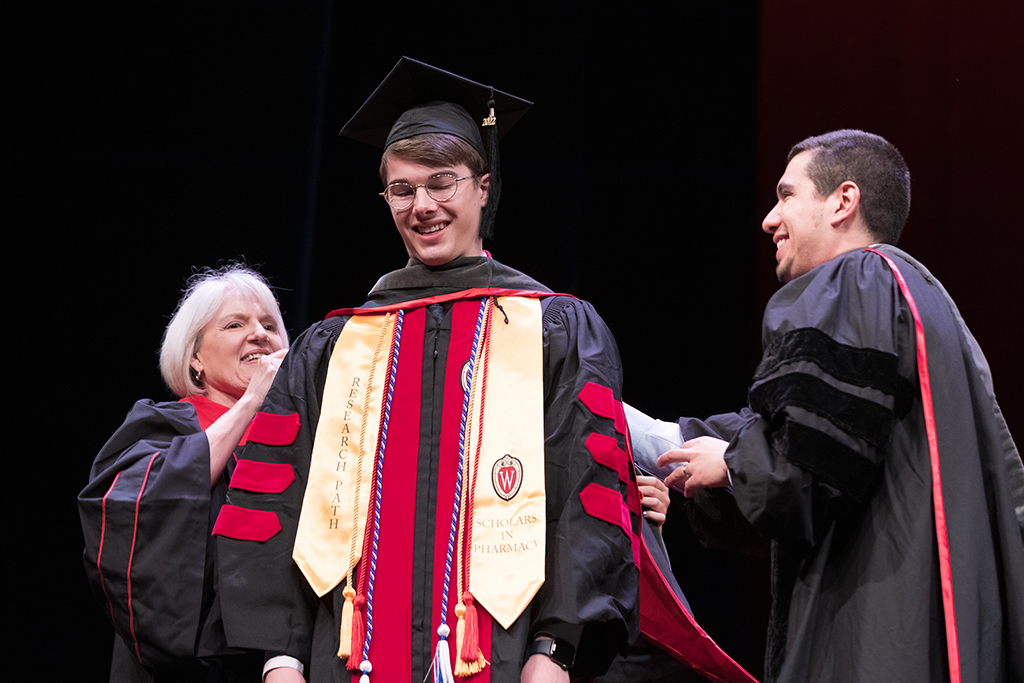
(440, 187)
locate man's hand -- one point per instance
(655, 498)
(703, 461)
(541, 669)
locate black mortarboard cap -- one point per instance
(416, 99)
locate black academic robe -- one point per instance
(590, 590)
(646, 662)
(831, 462)
(146, 516)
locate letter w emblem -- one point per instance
(507, 476)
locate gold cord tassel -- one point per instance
(345, 642)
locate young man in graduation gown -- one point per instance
(873, 453)
(463, 498)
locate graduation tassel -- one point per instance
(345, 639)
(490, 126)
(442, 664)
(471, 660)
(357, 632)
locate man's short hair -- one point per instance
(874, 164)
(435, 149)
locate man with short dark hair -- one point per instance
(874, 165)
(873, 453)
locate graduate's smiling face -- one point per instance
(438, 232)
(232, 342)
(798, 222)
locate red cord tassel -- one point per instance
(358, 632)
(471, 660)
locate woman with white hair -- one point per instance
(158, 484)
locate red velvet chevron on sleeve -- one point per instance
(262, 477)
(246, 525)
(274, 430)
(606, 504)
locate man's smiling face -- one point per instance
(798, 222)
(438, 232)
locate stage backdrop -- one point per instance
(151, 140)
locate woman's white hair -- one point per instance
(202, 299)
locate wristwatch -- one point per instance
(561, 652)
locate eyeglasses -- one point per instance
(440, 187)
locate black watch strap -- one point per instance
(561, 652)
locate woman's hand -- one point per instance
(263, 377)
(227, 431)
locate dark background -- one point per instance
(150, 140)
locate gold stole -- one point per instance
(329, 538)
(509, 518)
(507, 558)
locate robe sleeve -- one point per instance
(266, 602)
(824, 399)
(145, 517)
(713, 514)
(652, 437)
(593, 510)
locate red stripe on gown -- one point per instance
(466, 294)
(939, 507)
(392, 593)
(464, 315)
(665, 622)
